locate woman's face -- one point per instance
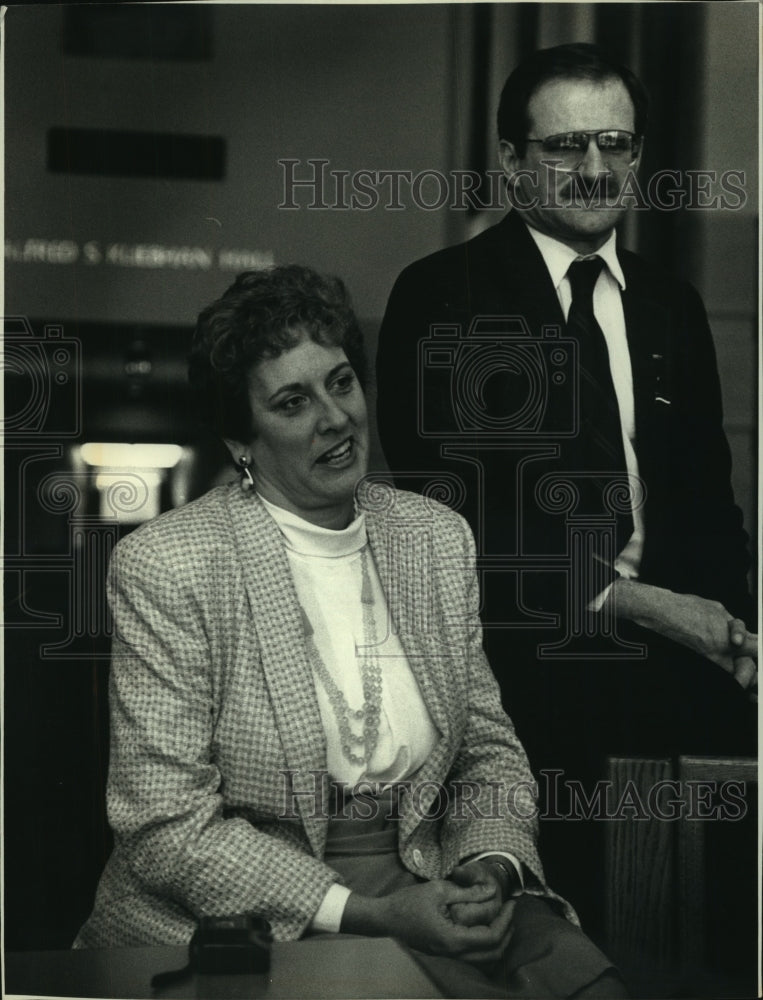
(311, 432)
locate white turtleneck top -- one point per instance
(326, 566)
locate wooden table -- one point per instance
(316, 968)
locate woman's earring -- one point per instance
(246, 476)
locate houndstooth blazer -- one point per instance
(217, 788)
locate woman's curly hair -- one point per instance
(261, 315)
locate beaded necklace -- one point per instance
(370, 673)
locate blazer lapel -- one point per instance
(401, 554)
(396, 544)
(277, 620)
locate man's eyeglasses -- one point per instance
(618, 148)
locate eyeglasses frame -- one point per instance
(636, 141)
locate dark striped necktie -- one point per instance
(600, 445)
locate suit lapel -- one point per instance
(277, 620)
(507, 276)
(511, 262)
(647, 325)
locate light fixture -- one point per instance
(118, 455)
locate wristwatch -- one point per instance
(507, 877)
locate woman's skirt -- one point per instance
(547, 956)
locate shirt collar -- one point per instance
(311, 539)
(558, 256)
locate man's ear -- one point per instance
(637, 162)
(507, 157)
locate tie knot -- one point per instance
(583, 275)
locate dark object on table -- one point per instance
(236, 943)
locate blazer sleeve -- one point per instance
(498, 807)
(164, 787)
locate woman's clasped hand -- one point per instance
(440, 917)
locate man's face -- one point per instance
(558, 207)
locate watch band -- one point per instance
(512, 884)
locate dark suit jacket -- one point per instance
(694, 538)
(571, 713)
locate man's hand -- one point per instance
(746, 661)
(703, 626)
(420, 917)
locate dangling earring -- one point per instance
(246, 476)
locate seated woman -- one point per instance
(303, 722)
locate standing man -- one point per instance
(567, 394)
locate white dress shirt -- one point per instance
(608, 310)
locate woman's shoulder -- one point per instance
(381, 500)
(200, 525)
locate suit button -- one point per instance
(418, 858)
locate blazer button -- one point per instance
(418, 858)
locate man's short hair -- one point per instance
(261, 315)
(576, 61)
